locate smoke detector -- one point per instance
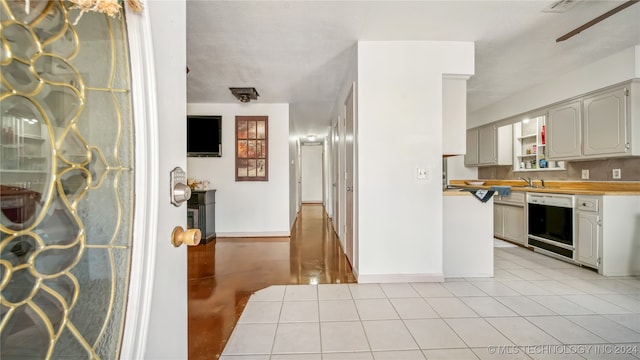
(560, 6)
(245, 94)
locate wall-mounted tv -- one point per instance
(204, 135)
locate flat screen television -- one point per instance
(204, 135)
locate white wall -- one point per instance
(312, 162)
(400, 129)
(167, 337)
(457, 171)
(611, 70)
(247, 208)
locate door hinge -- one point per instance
(626, 92)
(599, 222)
(599, 260)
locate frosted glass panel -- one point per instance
(66, 182)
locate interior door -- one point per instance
(335, 152)
(349, 134)
(311, 166)
(67, 182)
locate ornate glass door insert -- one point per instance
(66, 176)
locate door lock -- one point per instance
(180, 192)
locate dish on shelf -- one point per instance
(474, 183)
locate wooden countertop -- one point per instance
(562, 187)
(455, 192)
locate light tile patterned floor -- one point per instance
(535, 307)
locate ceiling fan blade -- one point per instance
(589, 24)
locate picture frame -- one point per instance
(252, 148)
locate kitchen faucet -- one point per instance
(528, 180)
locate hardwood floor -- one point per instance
(224, 273)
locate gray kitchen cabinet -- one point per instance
(605, 123)
(588, 234)
(489, 145)
(602, 124)
(471, 155)
(564, 124)
(514, 224)
(588, 230)
(509, 217)
(606, 233)
(498, 220)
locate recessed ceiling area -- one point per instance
(297, 52)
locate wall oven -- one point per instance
(551, 224)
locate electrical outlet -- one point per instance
(585, 174)
(616, 174)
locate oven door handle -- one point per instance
(552, 242)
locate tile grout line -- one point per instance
(627, 292)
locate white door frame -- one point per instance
(145, 118)
(350, 178)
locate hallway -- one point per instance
(223, 274)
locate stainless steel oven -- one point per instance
(551, 224)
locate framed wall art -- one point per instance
(252, 156)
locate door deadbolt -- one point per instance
(180, 192)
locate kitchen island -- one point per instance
(467, 235)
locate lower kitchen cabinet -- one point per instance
(514, 224)
(606, 234)
(509, 218)
(588, 235)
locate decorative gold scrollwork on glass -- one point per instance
(66, 176)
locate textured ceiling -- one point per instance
(297, 51)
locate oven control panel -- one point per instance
(560, 200)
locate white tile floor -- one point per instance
(535, 307)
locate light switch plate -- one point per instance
(422, 174)
(585, 174)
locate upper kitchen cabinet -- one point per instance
(563, 131)
(489, 145)
(495, 145)
(471, 155)
(607, 123)
(454, 115)
(602, 124)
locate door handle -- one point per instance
(349, 188)
(190, 237)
